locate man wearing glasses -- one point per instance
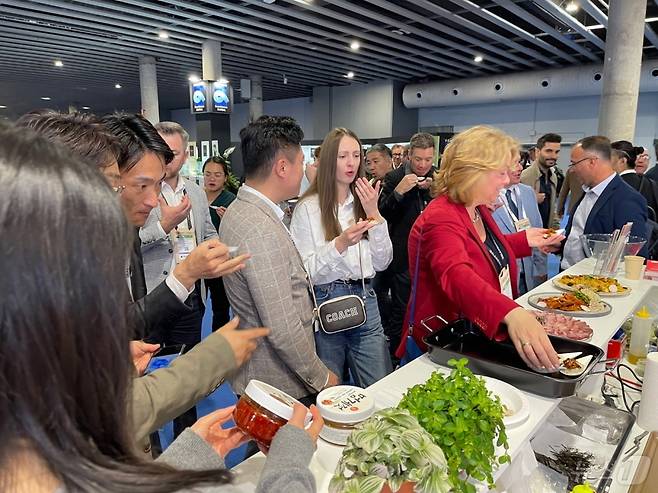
(608, 202)
(397, 151)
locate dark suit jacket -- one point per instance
(153, 313)
(646, 186)
(652, 173)
(618, 204)
(400, 213)
(456, 275)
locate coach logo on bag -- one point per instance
(342, 314)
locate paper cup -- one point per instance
(633, 265)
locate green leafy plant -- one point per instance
(232, 181)
(390, 447)
(464, 420)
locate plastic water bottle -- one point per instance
(640, 333)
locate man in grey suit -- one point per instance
(518, 211)
(272, 290)
(182, 210)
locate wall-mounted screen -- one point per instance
(199, 96)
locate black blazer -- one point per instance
(618, 204)
(646, 186)
(154, 313)
(401, 213)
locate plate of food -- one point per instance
(565, 326)
(581, 303)
(604, 286)
(515, 404)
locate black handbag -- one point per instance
(341, 313)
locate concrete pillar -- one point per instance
(621, 69)
(148, 84)
(211, 58)
(256, 99)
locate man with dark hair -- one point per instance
(379, 161)
(543, 178)
(273, 289)
(396, 152)
(159, 397)
(82, 133)
(404, 195)
(608, 202)
(144, 155)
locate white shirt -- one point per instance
(277, 210)
(573, 248)
(627, 172)
(175, 197)
(516, 197)
(322, 260)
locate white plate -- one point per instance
(512, 398)
(535, 299)
(558, 284)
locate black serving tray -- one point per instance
(462, 338)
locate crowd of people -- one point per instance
(117, 251)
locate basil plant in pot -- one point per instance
(391, 450)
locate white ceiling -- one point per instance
(99, 42)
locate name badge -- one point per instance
(505, 282)
(184, 242)
(522, 224)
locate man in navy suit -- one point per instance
(519, 211)
(608, 202)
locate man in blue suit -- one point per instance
(518, 212)
(608, 202)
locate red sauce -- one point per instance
(256, 421)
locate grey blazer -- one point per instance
(157, 250)
(271, 291)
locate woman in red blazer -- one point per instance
(467, 267)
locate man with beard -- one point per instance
(543, 179)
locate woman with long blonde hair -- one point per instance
(466, 266)
(343, 240)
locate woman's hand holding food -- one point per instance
(369, 197)
(547, 240)
(298, 417)
(222, 440)
(530, 339)
(352, 235)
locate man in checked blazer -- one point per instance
(272, 290)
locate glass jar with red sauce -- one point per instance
(262, 410)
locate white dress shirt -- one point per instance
(573, 248)
(173, 198)
(627, 172)
(277, 210)
(323, 261)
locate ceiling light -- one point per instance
(269, 1)
(350, 75)
(45, 98)
(223, 81)
(2, 106)
(117, 86)
(163, 35)
(478, 59)
(572, 7)
(59, 63)
(355, 45)
(193, 78)
(86, 107)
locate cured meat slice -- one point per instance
(560, 325)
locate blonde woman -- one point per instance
(341, 237)
(467, 267)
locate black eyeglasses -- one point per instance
(581, 160)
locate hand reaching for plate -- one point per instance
(530, 340)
